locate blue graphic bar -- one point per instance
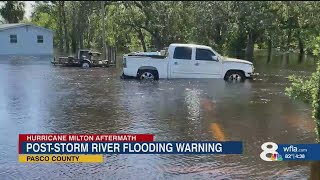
(299, 152)
(203, 147)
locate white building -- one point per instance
(25, 39)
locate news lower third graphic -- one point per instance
(290, 152)
(90, 148)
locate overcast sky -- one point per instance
(28, 8)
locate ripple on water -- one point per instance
(73, 100)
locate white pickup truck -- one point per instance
(186, 61)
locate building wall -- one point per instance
(26, 41)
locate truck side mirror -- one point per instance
(215, 58)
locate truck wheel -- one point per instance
(234, 76)
(85, 65)
(148, 75)
(123, 76)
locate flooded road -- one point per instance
(36, 97)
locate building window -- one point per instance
(40, 39)
(13, 38)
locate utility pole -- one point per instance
(104, 53)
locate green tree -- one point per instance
(13, 11)
(139, 25)
(211, 28)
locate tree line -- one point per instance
(235, 26)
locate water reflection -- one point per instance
(217, 132)
(192, 99)
(38, 98)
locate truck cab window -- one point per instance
(204, 54)
(182, 53)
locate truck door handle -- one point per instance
(196, 64)
(175, 63)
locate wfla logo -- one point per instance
(270, 148)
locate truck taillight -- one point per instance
(124, 62)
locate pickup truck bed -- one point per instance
(152, 56)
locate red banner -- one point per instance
(85, 138)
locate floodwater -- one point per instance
(36, 97)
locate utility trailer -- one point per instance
(85, 58)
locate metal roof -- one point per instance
(15, 25)
(5, 26)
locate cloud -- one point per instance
(28, 8)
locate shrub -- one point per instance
(307, 90)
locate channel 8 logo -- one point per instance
(270, 148)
